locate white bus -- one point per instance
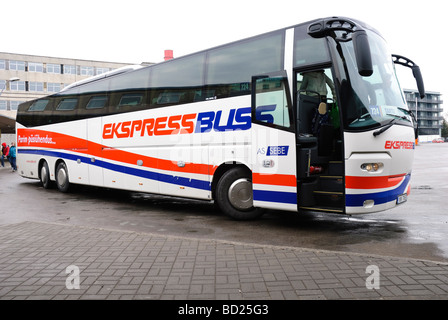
(309, 117)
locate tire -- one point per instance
(234, 195)
(62, 180)
(45, 176)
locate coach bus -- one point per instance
(307, 118)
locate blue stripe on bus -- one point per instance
(167, 178)
(275, 196)
(357, 200)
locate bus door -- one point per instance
(320, 167)
(273, 144)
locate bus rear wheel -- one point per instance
(234, 195)
(62, 180)
(45, 176)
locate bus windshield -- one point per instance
(371, 102)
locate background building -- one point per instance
(428, 112)
(27, 77)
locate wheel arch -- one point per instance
(57, 162)
(222, 169)
(66, 186)
(51, 167)
(39, 167)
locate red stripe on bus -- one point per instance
(274, 179)
(373, 182)
(53, 140)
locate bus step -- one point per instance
(332, 183)
(322, 209)
(329, 198)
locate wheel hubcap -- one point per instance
(62, 177)
(43, 174)
(240, 194)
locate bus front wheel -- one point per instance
(62, 177)
(234, 195)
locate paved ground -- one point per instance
(37, 262)
(43, 260)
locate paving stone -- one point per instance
(126, 265)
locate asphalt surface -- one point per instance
(50, 260)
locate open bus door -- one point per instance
(273, 143)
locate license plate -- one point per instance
(402, 198)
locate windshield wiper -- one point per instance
(361, 118)
(399, 117)
(385, 128)
(391, 123)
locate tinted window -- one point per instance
(127, 81)
(133, 80)
(237, 63)
(308, 50)
(177, 81)
(130, 100)
(97, 102)
(169, 97)
(271, 102)
(67, 104)
(183, 72)
(39, 105)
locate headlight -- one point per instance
(372, 167)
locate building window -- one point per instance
(86, 71)
(3, 105)
(35, 67)
(53, 87)
(69, 69)
(53, 68)
(17, 65)
(2, 64)
(17, 86)
(14, 105)
(36, 86)
(101, 70)
(2, 85)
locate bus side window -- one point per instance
(271, 102)
(37, 113)
(131, 99)
(178, 81)
(231, 67)
(97, 102)
(67, 104)
(39, 105)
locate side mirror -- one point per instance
(415, 71)
(327, 27)
(362, 52)
(418, 77)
